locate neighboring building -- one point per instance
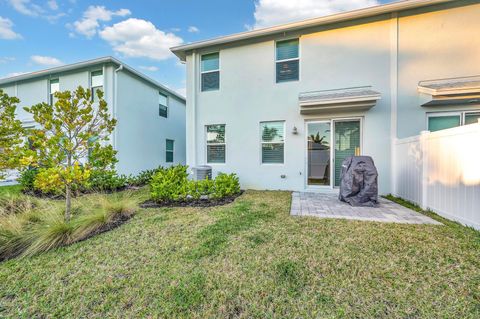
(283, 106)
(151, 118)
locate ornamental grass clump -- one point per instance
(43, 227)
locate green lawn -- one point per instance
(13, 190)
(251, 259)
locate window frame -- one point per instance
(287, 60)
(461, 113)
(167, 108)
(92, 88)
(262, 142)
(50, 93)
(207, 144)
(169, 151)
(211, 71)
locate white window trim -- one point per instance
(50, 93)
(172, 151)
(287, 60)
(208, 144)
(262, 142)
(167, 105)
(210, 71)
(461, 113)
(92, 88)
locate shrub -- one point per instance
(106, 181)
(27, 179)
(226, 185)
(197, 189)
(143, 178)
(170, 184)
(48, 181)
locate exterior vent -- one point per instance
(203, 172)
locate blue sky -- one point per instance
(35, 35)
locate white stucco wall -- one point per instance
(141, 132)
(344, 56)
(434, 45)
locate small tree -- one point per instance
(11, 131)
(70, 141)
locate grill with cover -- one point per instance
(358, 184)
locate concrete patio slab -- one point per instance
(328, 206)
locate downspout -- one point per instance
(114, 106)
(194, 109)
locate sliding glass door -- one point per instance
(326, 150)
(318, 153)
(347, 143)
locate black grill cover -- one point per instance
(358, 184)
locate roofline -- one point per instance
(83, 64)
(180, 51)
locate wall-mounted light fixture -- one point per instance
(294, 130)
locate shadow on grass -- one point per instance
(241, 216)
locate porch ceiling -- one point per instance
(339, 100)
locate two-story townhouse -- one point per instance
(283, 106)
(151, 118)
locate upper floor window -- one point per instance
(287, 60)
(163, 105)
(216, 143)
(210, 71)
(97, 83)
(444, 120)
(54, 87)
(273, 142)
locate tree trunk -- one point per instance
(68, 202)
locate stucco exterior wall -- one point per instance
(434, 45)
(348, 55)
(141, 132)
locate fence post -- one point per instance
(424, 139)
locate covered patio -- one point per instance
(327, 205)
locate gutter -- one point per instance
(181, 51)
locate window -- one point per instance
(216, 143)
(445, 120)
(287, 60)
(54, 87)
(163, 105)
(169, 147)
(210, 71)
(472, 117)
(97, 83)
(272, 134)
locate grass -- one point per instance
(29, 226)
(10, 190)
(250, 259)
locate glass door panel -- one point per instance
(318, 153)
(347, 143)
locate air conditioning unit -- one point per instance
(202, 172)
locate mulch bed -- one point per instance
(191, 203)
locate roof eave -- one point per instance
(181, 51)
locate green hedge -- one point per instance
(172, 184)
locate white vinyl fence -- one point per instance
(441, 171)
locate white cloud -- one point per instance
(45, 60)
(150, 68)
(140, 38)
(272, 12)
(193, 29)
(6, 59)
(52, 4)
(6, 30)
(89, 24)
(26, 7)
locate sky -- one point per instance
(36, 35)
